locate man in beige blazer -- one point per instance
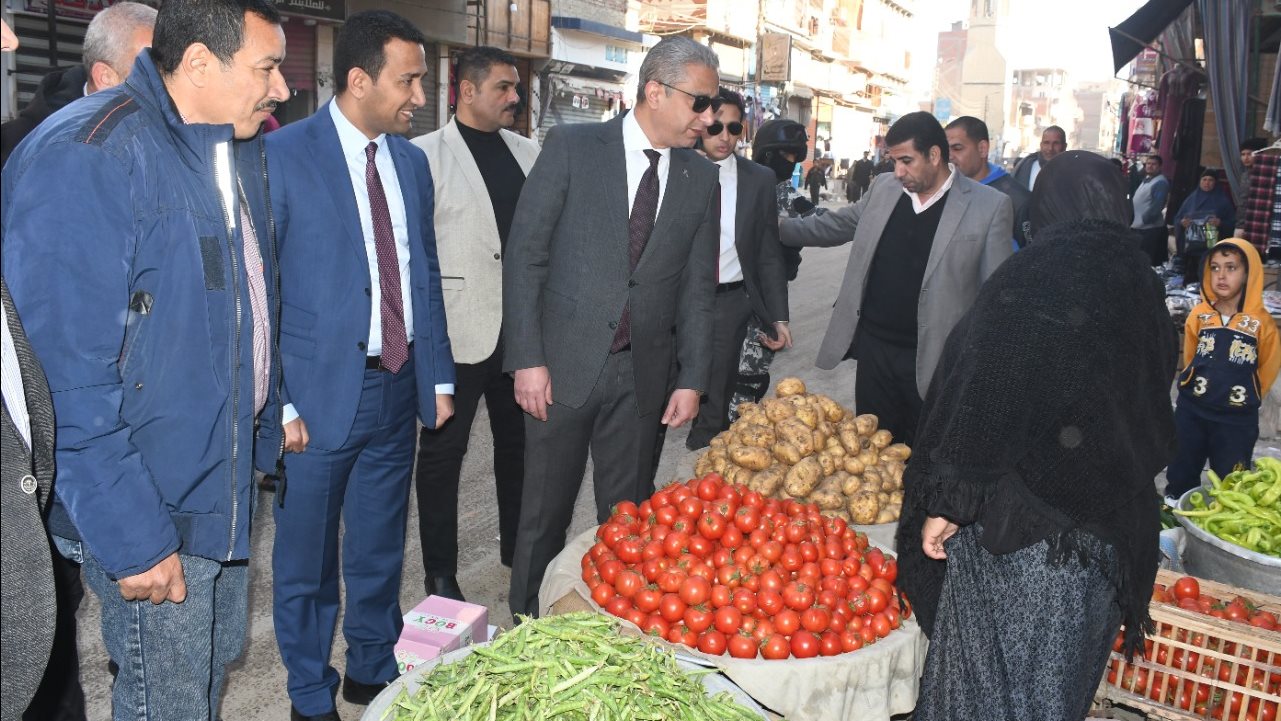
(479, 168)
(923, 241)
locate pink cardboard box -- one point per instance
(446, 624)
(411, 654)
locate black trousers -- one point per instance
(885, 384)
(620, 441)
(1202, 439)
(1156, 243)
(732, 311)
(60, 696)
(440, 464)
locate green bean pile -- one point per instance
(574, 667)
(1244, 508)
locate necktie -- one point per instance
(395, 349)
(258, 303)
(639, 227)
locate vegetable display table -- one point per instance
(869, 684)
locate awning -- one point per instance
(1142, 28)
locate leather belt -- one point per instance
(727, 287)
(374, 362)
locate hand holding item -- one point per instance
(534, 391)
(783, 340)
(934, 534)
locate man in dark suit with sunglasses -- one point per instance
(610, 274)
(752, 280)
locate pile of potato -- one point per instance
(808, 447)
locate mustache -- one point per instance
(270, 106)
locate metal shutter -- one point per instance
(32, 57)
(427, 118)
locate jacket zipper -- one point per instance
(276, 313)
(222, 176)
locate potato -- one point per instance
(768, 481)
(748, 407)
(851, 484)
(886, 516)
(850, 441)
(702, 466)
(738, 474)
(777, 410)
(827, 463)
(808, 415)
(750, 457)
(853, 465)
(835, 448)
(881, 439)
(868, 457)
(720, 464)
(847, 424)
(866, 424)
(756, 415)
(896, 452)
(889, 484)
(831, 409)
(840, 513)
(803, 477)
(720, 440)
(790, 387)
(896, 498)
(759, 436)
(863, 508)
(893, 469)
(787, 453)
(872, 474)
(883, 498)
(794, 431)
(828, 496)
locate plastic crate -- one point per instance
(1242, 661)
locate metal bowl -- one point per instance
(1209, 556)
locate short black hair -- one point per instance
(474, 63)
(1254, 144)
(974, 128)
(1154, 156)
(362, 43)
(732, 98)
(218, 24)
(923, 129)
(1054, 128)
(1228, 249)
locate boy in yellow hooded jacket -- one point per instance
(1230, 359)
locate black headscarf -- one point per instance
(1054, 387)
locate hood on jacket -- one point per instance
(1252, 297)
(55, 91)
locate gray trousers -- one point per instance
(733, 310)
(621, 445)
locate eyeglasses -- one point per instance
(701, 102)
(735, 128)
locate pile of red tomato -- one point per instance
(719, 568)
(1253, 668)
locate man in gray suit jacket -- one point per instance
(610, 269)
(478, 168)
(924, 240)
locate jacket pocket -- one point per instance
(211, 258)
(140, 304)
(452, 282)
(292, 317)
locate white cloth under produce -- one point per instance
(870, 684)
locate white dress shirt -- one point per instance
(731, 269)
(635, 143)
(1036, 170)
(15, 395)
(921, 207)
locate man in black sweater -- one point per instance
(479, 168)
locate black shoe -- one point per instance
(361, 694)
(445, 587)
(295, 715)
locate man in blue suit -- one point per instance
(364, 346)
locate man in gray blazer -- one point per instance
(924, 240)
(478, 168)
(610, 269)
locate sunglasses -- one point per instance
(701, 102)
(735, 128)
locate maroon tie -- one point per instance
(639, 227)
(395, 349)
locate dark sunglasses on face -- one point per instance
(701, 102)
(735, 128)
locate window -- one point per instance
(616, 54)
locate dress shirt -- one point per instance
(15, 395)
(921, 207)
(635, 143)
(731, 269)
(1035, 171)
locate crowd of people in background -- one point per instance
(326, 304)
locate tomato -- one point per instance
(798, 596)
(684, 524)
(671, 579)
(830, 599)
(721, 596)
(881, 625)
(698, 618)
(648, 598)
(711, 525)
(753, 499)
(743, 646)
(652, 550)
(816, 619)
(1236, 611)
(851, 640)
(792, 559)
(732, 538)
(771, 581)
(709, 488)
(747, 518)
(713, 643)
(1265, 620)
(867, 634)
(889, 570)
(745, 601)
(676, 544)
(787, 622)
(690, 506)
(671, 607)
(603, 594)
(776, 647)
(618, 606)
(728, 619)
(797, 531)
(666, 516)
(1186, 587)
(804, 644)
(673, 634)
(809, 551)
(771, 602)
(628, 583)
(876, 600)
(598, 549)
(656, 625)
(635, 616)
(700, 546)
(629, 549)
(892, 613)
(771, 551)
(1190, 604)
(829, 643)
(610, 534)
(695, 590)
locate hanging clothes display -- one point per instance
(1260, 218)
(1142, 123)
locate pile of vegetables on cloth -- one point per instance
(575, 666)
(722, 569)
(810, 448)
(1205, 699)
(1243, 508)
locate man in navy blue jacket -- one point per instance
(150, 299)
(365, 350)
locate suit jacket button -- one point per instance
(498, 256)
(28, 484)
(632, 284)
(613, 325)
(368, 293)
(360, 345)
